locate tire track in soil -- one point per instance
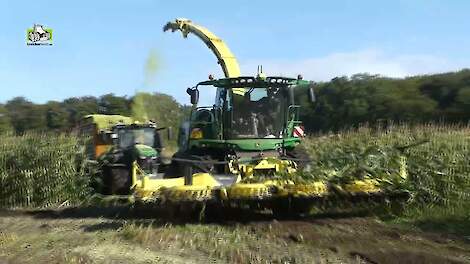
(370, 240)
(363, 239)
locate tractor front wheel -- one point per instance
(182, 161)
(117, 179)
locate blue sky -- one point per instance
(102, 46)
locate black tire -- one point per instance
(204, 166)
(117, 180)
(180, 168)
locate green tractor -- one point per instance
(253, 129)
(122, 147)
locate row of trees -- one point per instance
(363, 98)
(341, 102)
(21, 115)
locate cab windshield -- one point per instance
(256, 113)
(128, 137)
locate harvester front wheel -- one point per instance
(179, 166)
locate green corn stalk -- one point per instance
(42, 170)
(431, 161)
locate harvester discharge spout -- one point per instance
(225, 57)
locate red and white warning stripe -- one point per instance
(299, 131)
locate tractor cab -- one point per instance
(140, 143)
(254, 123)
(126, 136)
(248, 108)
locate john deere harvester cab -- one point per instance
(123, 148)
(254, 126)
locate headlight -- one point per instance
(196, 133)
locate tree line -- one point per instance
(21, 115)
(346, 102)
(341, 102)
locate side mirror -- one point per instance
(194, 93)
(170, 133)
(311, 93)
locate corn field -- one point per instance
(41, 170)
(434, 159)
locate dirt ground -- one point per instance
(117, 236)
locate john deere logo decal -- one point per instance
(39, 35)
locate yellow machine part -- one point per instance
(248, 191)
(364, 186)
(147, 187)
(315, 189)
(172, 189)
(106, 122)
(187, 193)
(276, 165)
(205, 185)
(225, 57)
(265, 190)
